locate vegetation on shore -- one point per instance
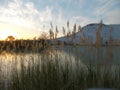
(50, 73)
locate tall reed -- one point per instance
(49, 68)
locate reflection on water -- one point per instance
(109, 55)
(83, 55)
(8, 61)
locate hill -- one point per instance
(88, 34)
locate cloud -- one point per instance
(83, 20)
(25, 14)
(105, 6)
(113, 17)
(108, 11)
(36, 15)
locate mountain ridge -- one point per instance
(88, 34)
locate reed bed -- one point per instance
(52, 74)
(48, 68)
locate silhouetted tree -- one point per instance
(10, 38)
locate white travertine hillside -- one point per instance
(88, 33)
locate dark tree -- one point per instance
(10, 38)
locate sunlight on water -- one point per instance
(10, 60)
(81, 55)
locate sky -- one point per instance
(29, 18)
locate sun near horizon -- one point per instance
(16, 31)
(6, 31)
(25, 19)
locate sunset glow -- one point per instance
(7, 30)
(17, 31)
(7, 33)
(29, 18)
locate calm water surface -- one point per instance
(83, 55)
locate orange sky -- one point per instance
(7, 29)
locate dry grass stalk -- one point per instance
(98, 36)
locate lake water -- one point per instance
(82, 54)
